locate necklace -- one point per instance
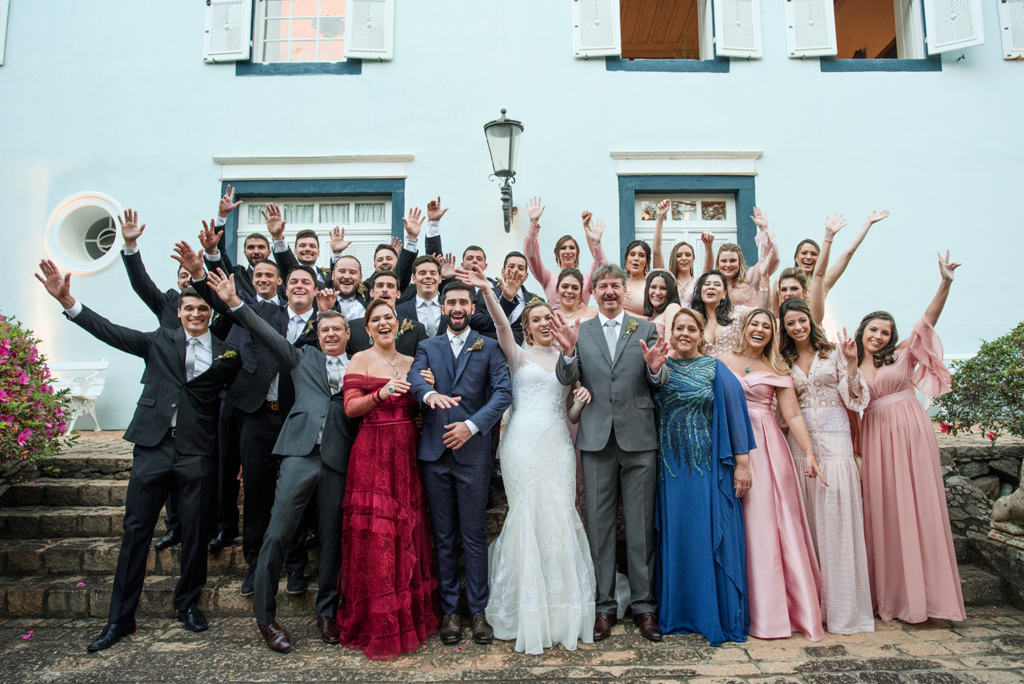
(747, 369)
(571, 316)
(387, 362)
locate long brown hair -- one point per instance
(774, 358)
(558, 247)
(733, 247)
(885, 355)
(673, 265)
(787, 346)
(795, 273)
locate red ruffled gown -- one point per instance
(388, 590)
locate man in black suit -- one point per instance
(347, 283)
(314, 447)
(514, 297)
(425, 307)
(475, 257)
(262, 395)
(410, 332)
(175, 435)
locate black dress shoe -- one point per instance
(111, 634)
(328, 627)
(482, 632)
(312, 540)
(172, 538)
(193, 619)
(603, 626)
(222, 539)
(297, 582)
(451, 629)
(249, 583)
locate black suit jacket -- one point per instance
(407, 343)
(432, 246)
(508, 307)
(243, 274)
(166, 389)
(480, 322)
(164, 305)
(288, 262)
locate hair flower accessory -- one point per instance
(630, 327)
(477, 346)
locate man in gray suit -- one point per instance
(618, 359)
(314, 447)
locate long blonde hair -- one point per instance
(733, 247)
(774, 358)
(698, 319)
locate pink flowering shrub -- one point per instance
(31, 414)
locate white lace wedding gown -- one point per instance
(541, 573)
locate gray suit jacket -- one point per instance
(620, 387)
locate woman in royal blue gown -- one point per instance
(704, 439)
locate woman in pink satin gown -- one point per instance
(783, 582)
(911, 560)
(745, 287)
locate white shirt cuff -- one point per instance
(236, 308)
(472, 426)
(433, 230)
(569, 359)
(280, 246)
(127, 251)
(219, 221)
(410, 245)
(213, 256)
(428, 394)
(75, 309)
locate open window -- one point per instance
(667, 29)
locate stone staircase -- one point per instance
(60, 535)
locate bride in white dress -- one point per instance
(541, 573)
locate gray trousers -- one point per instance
(605, 474)
(329, 497)
(296, 485)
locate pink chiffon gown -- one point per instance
(782, 571)
(911, 560)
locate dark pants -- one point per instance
(157, 471)
(329, 496)
(300, 476)
(457, 495)
(225, 513)
(259, 477)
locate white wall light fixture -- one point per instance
(81, 232)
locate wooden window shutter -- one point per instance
(228, 30)
(738, 28)
(1011, 21)
(370, 29)
(952, 25)
(811, 28)
(595, 28)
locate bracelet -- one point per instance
(811, 449)
(828, 241)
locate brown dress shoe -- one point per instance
(276, 637)
(603, 626)
(328, 629)
(451, 629)
(482, 632)
(648, 625)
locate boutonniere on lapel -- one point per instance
(630, 327)
(361, 289)
(230, 354)
(406, 326)
(309, 326)
(477, 346)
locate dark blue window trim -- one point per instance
(719, 65)
(349, 66)
(740, 186)
(316, 188)
(931, 63)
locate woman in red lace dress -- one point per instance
(387, 584)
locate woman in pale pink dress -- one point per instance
(745, 283)
(911, 558)
(723, 321)
(567, 253)
(637, 264)
(661, 299)
(783, 583)
(828, 385)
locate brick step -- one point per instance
(62, 598)
(96, 557)
(980, 587)
(66, 491)
(962, 545)
(48, 522)
(89, 465)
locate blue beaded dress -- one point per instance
(701, 569)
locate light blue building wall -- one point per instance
(113, 96)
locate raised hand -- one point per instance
(708, 239)
(848, 346)
(209, 237)
(447, 266)
(131, 231)
(434, 210)
(325, 299)
(565, 334)
(473, 278)
(397, 244)
(765, 260)
(275, 221)
(655, 356)
(876, 216)
(834, 224)
(662, 210)
(224, 287)
(228, 203)
(594, 231)
(586, 216)
(946, 267)
(189, 260)
(510, 287)
(413, 224)
(535, 210)
(437, 400)
(59, 286)
(760, 218)
(338, 242)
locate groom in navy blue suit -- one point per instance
(471, 391)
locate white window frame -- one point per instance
(690, 231)
(260, 29)
(4, 7)
(360, 234)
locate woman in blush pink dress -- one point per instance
(911, 559)
(681, 257)
(637, 264)
(567, 253)
(745, 283)
(723, 322)
(782, 569)
(661, 299)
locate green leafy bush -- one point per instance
(988, 390)
(31, 414)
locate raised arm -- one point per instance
(659, 223)
(946, 269)
(844, 257)
(567, 369)
(531, 246)
(506, 340)
(708, 240)
(767, 249)
(138, 278)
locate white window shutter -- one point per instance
(952, 24)
(595, 28)
(228, 30)
(738, 28)
(370, 29)
(4, 5)
(1011, 20)
(811, 28)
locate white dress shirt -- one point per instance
(520, 305)
(351, 308)
(429, 313)
(293, 332)
(462, 337)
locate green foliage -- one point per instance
(31, 414)
(988, 390)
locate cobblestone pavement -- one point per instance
(988, 648)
